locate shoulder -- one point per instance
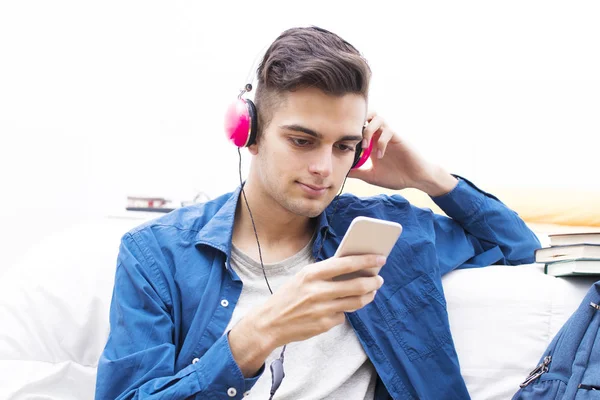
(158, 247)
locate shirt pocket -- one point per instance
(416, 314)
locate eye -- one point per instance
(300, 142)
(345, 147)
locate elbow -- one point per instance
(524, 251)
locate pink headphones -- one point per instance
(241, 122)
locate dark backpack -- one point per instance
(570, 366)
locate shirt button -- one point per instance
(231, 392)
(224, 303)
(195, 360)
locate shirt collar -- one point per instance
(323, 224)
(217, 232)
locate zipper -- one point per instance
(537, 372)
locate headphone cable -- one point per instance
(252, 219)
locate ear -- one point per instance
(253, 148)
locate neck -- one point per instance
(281, 233)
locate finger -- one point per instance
(353, 303)
(336, 266)
(355, 286)
(370, 115)
(375, 125)
(386, 135)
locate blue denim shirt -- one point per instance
(175, 292)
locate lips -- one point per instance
(313, 187)
(313, 190)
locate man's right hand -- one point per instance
(306, 305)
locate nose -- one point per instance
(321, 162)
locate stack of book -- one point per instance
(571, 254)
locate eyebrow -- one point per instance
(303, 129)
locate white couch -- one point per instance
(54, 316)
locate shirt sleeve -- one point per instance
(482, 226)
(138, 361)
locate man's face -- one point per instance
(304, 154)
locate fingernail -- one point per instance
(375, 293)
(379, 153)
(381, 260)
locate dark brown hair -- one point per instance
(308, 57)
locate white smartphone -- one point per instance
(368, 236)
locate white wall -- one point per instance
(100, 100)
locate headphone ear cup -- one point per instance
(357, 153)
(241, 123)
(362, 155)
(253, 122)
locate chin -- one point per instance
(313, 213)
(310, 208)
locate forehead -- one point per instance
(322, 112)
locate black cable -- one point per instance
(252, 219)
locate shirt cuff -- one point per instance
(219, 375)
(464, 201)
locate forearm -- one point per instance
(490, 222)
(438, 182)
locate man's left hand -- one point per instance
(396, 165)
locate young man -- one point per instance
(192, 315)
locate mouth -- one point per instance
(313, 190)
